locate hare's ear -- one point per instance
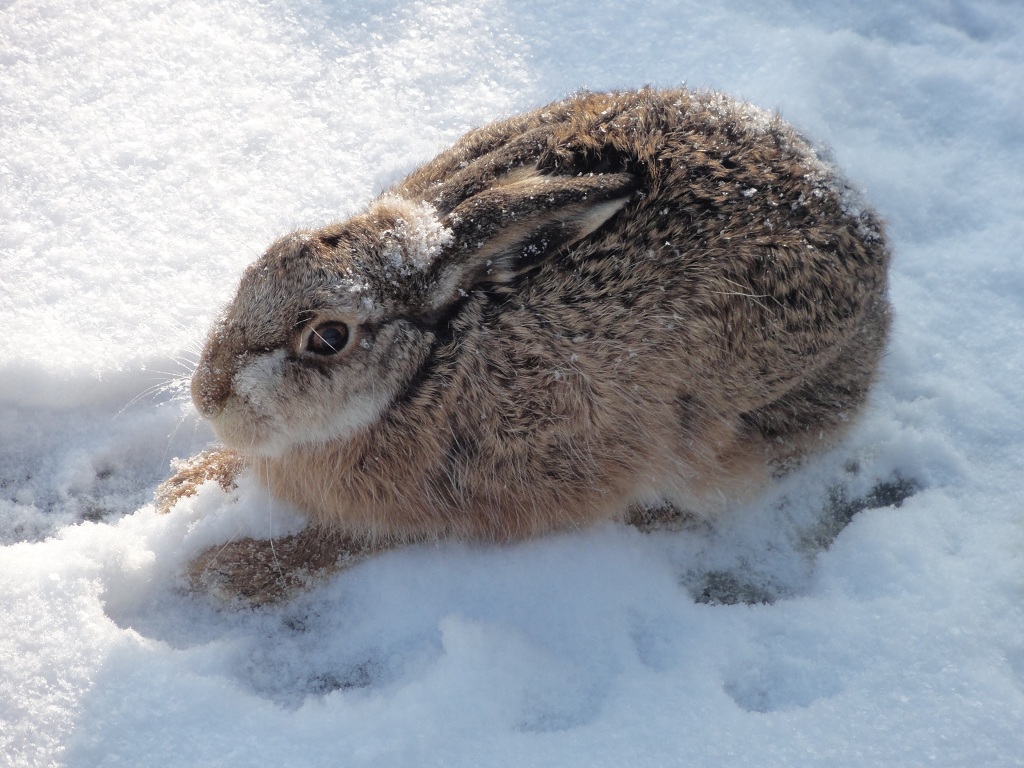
(505, 230)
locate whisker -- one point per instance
(178, 387)
(270, 521)
(185, 414)
(213, 560)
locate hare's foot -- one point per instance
(221, 465)
(262, 571)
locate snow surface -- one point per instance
(150, 149)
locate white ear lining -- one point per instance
(446, 285)
(596, 215)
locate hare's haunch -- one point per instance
(618, 300)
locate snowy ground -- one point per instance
(149, 149)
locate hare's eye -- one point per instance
(328, 339)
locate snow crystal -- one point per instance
(417, 237)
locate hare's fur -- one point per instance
(618, 299)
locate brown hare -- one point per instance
(616, 302)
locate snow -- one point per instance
(149, 150)
(417, 237)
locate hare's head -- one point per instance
(329, 327)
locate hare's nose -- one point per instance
(211, 386)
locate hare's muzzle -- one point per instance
(211, 387)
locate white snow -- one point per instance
(149, 150)
(417, 237)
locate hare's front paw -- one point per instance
(262, 571)
(221, 465)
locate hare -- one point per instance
(616, 302)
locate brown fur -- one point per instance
(638, 297)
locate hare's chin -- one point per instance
(274, 436)
(249, 438)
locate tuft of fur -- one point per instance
(615, 301)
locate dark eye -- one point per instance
(328, 339)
